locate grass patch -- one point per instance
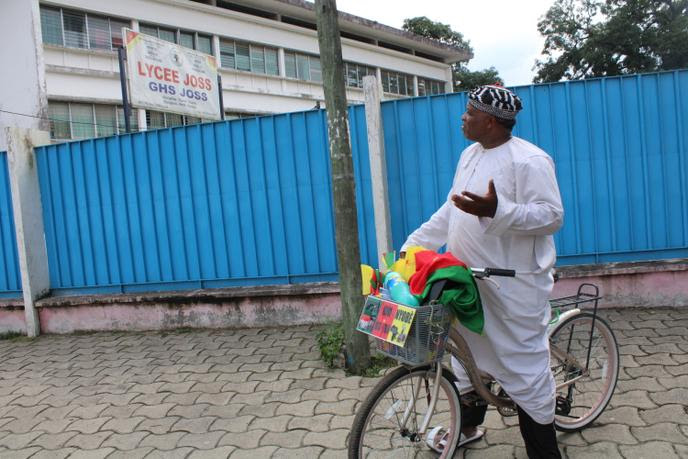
(331, 341)
(11, 335)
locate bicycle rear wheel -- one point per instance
(379, 430)
(581, 402)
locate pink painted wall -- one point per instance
(243, 312)
(12, 320)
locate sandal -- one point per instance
(437, 438)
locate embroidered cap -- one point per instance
(496, 101)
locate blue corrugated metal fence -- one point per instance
(619, 146)
(10, 277)
(248, 202)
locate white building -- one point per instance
(268, 51)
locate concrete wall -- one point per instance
(647, 284)
(22, 78)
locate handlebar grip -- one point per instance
(500, 272)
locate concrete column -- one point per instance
(449, 82)
(378, 165)
(24, 97)
(415, 85)
(28, 218)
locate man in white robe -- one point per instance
(501, 212)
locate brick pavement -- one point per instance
(265, 393)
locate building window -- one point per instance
(355, 73)
(426, 86)
(397, 83)
(75, 29)
(72, 120)
(302, 66)
(160, 120)
(191, 40)
(249, 57)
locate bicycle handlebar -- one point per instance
(487, 272)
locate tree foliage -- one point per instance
(443, 33)
(464, 79)
(592, 38)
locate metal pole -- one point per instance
(219, 91)
(123, 82)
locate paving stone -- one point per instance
(335, 439)
(154, 411)
(308, 452)
(263, 411)
(166, 441)
(641, 383)
(19, 440)
(188, 411)
(319, 423)
(663, 431)
(255, 398)
(21, 425)
(678, 370)
(244, 440)
(233, 424)
(290, 396)
(344, 407)
(267, 376)
(196, 425)
(206, 440)
(290, 439)
(216, 453)
(52, 441)
(494, 452)
(125, 441)
(281, 385)
(286, 366)
(54, 453)
(666, 413)
(123, 426)
(88, 441)
(620, 433)
(305, 408)
(264, 451)
(675, 382)
(650, 450)
(223, 411)
(158, 426)
(679, 395)
(92, 454)
(627, 415)
(179, 453)
(121, 411)
(634, 398)
(597, 450)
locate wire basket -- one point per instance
(426, 338)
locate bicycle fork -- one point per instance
(431, 396)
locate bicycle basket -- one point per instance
(426, 338)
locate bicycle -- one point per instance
(395, 418)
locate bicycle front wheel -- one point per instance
(585, 365)
(388, 422)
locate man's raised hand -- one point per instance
(481, 206)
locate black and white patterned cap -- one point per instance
(496, 101)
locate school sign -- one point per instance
(167, 77)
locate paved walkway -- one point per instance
(265, 393)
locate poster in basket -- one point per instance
(171, 78)
(386, 320)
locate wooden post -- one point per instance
(343, 185)
(378, 165)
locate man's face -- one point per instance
(475, 124)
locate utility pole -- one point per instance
(343, 185)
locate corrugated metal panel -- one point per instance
(10, 276)
(619, 145)
(243, 202)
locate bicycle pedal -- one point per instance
(507, 411)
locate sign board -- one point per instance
(171, 78)
(386, 320)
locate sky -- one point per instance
(503, 33)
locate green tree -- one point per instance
(592, 38)
(464, 79)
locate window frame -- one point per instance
(87, 34)
(264, 50)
